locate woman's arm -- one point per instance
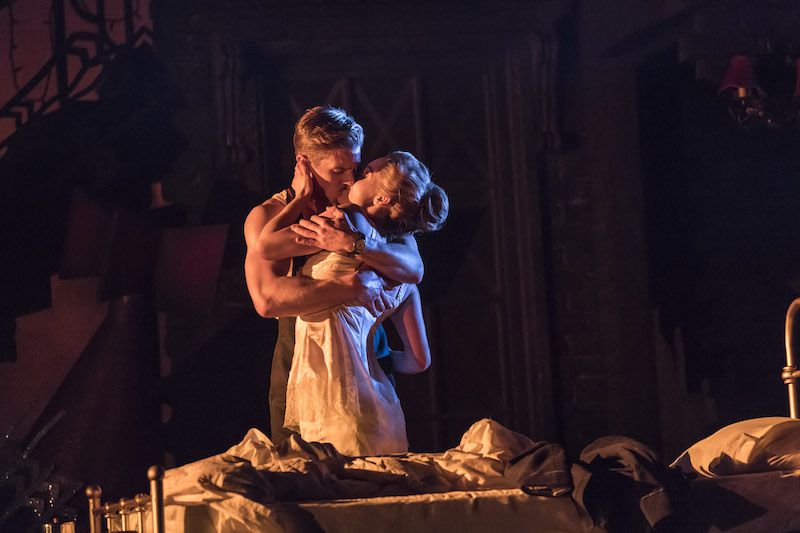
(275, 241)
(410, 325)
(398, 260)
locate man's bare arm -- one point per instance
(398, 260)
(274, 294)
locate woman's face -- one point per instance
(365, 191)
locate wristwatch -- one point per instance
(359, 244)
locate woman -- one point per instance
(337, 393)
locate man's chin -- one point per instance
(344, 197)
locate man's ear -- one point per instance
(381, 200)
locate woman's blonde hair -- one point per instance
(416, 204)
(324, 128)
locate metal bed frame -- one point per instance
(790, 373)
(125, 507)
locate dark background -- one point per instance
(618, 259)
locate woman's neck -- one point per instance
(362, 219)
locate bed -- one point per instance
(467, 488)
(743, 478)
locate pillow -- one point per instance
(755, 445)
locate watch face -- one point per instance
(360, 244)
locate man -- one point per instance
(327, 143)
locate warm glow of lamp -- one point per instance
(739, 77)
(771, 66)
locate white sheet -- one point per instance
(239, 486)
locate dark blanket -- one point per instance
(624, 486)
(619, 483)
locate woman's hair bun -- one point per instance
(433, 208)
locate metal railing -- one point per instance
(93, 49)
(129, 512)
(790, 373)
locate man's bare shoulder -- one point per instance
(269, 206)
(260, 215)
(277, 201)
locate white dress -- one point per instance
(337, 393)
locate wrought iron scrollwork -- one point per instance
(93, 49)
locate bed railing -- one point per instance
(124, 511)
(790, 373)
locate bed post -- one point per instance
(790, 373)
(155, 474)
(93, 494)
(141, 507)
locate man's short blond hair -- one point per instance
(325, 128)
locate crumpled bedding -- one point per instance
(238, 485)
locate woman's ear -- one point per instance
(381, 200)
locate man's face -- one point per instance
(335, 172)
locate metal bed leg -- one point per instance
(790, 373)
(93, 494)
(108, 514)
(156, 476)
(141, 507)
